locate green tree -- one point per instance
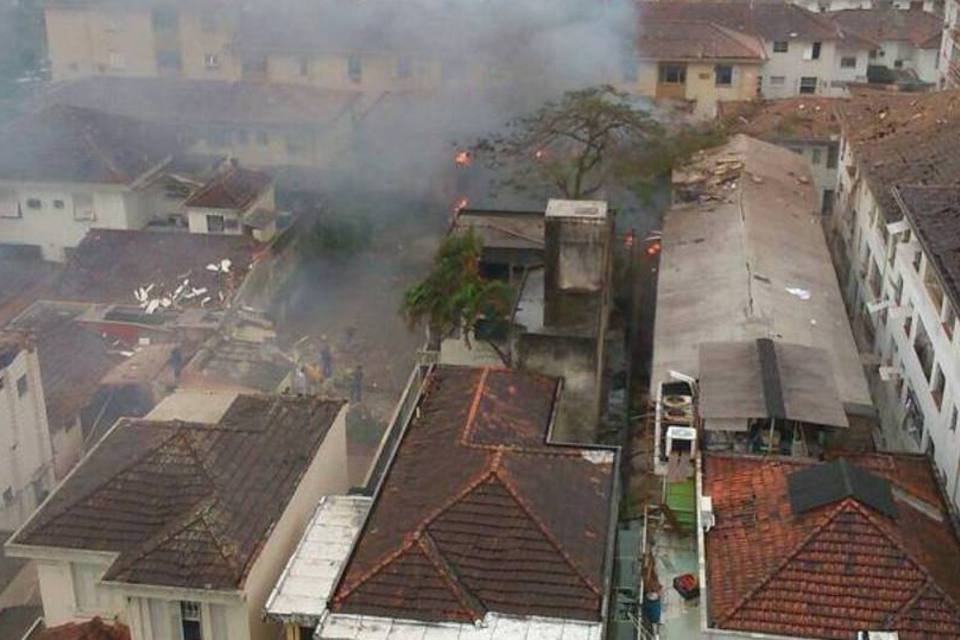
(454, 295)
(571, 144)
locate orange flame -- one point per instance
(539, 154)
(462, 158)
(461, 204)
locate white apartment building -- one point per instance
(26, 453)
(823, 6)
(179, 524)
(950, 46)
(897, 244)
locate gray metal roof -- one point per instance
(301, 594)
(747, 259)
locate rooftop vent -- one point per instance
(825, 484)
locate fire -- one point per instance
(539, 154)
(461, 204)
(628, 240)
(462, 158)
(653, 248)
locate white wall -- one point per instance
(792, 65)
(923, 61)
(26, 454)
(55, 228)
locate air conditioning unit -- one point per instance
(707, 518)
(682, 440)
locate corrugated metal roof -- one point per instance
(302, 591)
(494, 627)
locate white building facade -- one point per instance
(949, 67)
(26, 453)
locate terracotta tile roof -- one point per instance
(832, 570)
(109, 265)
(186, 504)
(919, 28)
(934, 214)
(69, 144)
(206, 102)
(769, 21)
(668, 39)
(787, 119)
(236, 188)
(903, 139)
(477, 513)
(95, 629)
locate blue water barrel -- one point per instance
(652, 607)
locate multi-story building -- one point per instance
(179, 524)
(26, 453)
(907, 42)
(802, 53)
(950, 46)
(893, 247)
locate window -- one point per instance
(34, 203)
(815, 51)
(781, 46)
(191, 621)
(214, 224)
(58, 204)
(936, 389)
(354, 68)
(116, 61)
(777, 81)
(949, 319)
(826, 206)
(83, 207)
(168, 60)
(873, 54)
(848, 62)
(164, 18)
(231, 224)
(723, 75)
(954, 416)
(832, 153)
(924, 349)
(9, 204)
(304, 62)
(816, 155)
(22, 385)
(211, 61)
(808, 84)
(673, 73)
(404, 67)
(898, 64)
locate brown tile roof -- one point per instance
(186, 504)
(236, 188)
(95, 629)
(832, 570)
(798, 119)
(919, 28)
(24, 277)
(769, 21)
(72, 359)
(478, 513)
(109, 265)
(669, 39)
(206, 102)
(69, 144)
(903, 139)
(934, 214)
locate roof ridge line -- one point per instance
(474, 407)
(447, 574)
(100, 153)
(515, 494)
(380, 564)
(221, 544)
(739, 604)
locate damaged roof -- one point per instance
(934, 215)
(798, 119)
(744, 257)
(235, 188)
(110, 265)
(210, 102)
(676, 39)
(903, 139)
(63, 143)
(478, 514)
(186, 504)
(918, 27)
(834, 565)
